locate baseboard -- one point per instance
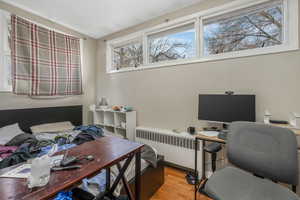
(173, 165)
(208, 173)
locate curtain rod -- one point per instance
(45, 26)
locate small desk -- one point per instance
(205, 138)
(107, 151)
(295, 130)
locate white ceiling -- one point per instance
(98, 18)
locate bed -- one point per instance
(152, 178)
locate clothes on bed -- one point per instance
(6, 151)
(9, 132)
(29, 141)
(82, 138)
(92, 129)
(31, 146)
(21, 139)
(88, 133)
(79, 135)
(22, 154)
(25, 151)
(54, 136)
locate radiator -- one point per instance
(177, 148)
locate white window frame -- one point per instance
(4, 51)
(133, 38)
(290, 36)
(155, 31)
(122, 43)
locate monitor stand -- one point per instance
(225, 126)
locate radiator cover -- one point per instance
(178, 148)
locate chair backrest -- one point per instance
(264, 150)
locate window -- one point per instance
(5, 64)
(236, 29)
(129, 55)
(255, 27)
(178, 43)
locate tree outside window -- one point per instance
(130, 55)
(262, 27)
(174, 44)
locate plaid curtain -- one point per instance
(44, 62)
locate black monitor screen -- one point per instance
(227, 108)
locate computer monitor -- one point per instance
(226, 108)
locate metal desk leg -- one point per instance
(203, 177)
(203, 161)
(138, 175)
(196, 168)
(107, 179)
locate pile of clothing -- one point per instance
(26, 146)
(77, 193)
(6, 151)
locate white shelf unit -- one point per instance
(111, 121)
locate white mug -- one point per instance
(295, 120)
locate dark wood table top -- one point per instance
(106, 151)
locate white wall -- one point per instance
(168, 97)
(11, 101)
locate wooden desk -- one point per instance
(107, 151)
(209, 138)
(296, 131)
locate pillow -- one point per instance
(9, 132)
(52, 127)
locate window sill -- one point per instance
(224, 56)
(5, 92)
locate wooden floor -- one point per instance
(176, 187)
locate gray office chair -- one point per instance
(265, 155)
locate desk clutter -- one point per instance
(293, 122)
(104, 105)
(223, 133)
(38, 170)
